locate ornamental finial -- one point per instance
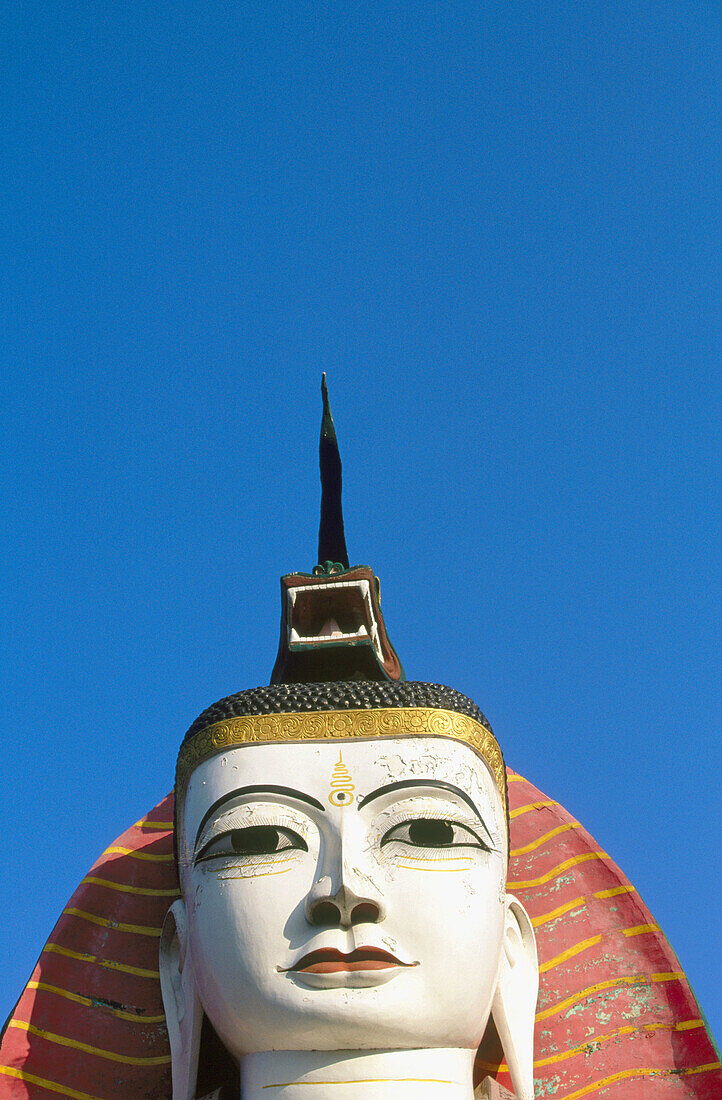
(332, 628)
(331, 537)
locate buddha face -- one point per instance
(344, 894)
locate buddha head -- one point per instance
(342, 853)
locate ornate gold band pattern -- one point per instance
(342, 724)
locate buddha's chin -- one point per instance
(349, 1018)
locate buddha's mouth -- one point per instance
(329, 961)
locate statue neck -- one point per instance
(437, 1074)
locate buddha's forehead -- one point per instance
(358, 766)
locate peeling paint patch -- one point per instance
(561, 882)
(101, 1002)
(550, 1087)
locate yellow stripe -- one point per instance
(558, 912)
(109, 964)
(145, 891)
(587, 1047)
(570, 953)
(144, 824)
(117, 926)
(123, 888)
(261, 863)
(136, 1017)
(627, 1074)
(63, 1041)
(250, 875)
(612, 983)
(434, 870)
(614, 891)
(150, 856)
(623, 1075)
(368, 1081)
(701, 1069)
(547, 836)
(561, 867)
(601, 894)
(442, 859)
(491, 1067)
(515, 779)
(639, 929)
(51, 1086)
(532, 806)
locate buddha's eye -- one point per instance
(432, 833)
(255, 840)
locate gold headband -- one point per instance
(342, 724)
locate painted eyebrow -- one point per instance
(258, 788)
(439, 783)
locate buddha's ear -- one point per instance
(183, 1010)
(514, 1003)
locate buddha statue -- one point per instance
(342, 853)
(329, 905)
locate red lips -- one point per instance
(328, 961)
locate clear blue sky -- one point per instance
(497, 227)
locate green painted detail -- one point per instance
(329, 568)
(101, 1002)
(561, 882)
(550, 1087)
(605, 995)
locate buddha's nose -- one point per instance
(342, 908)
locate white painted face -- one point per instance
(345, 894)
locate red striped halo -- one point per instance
(616, 1016)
